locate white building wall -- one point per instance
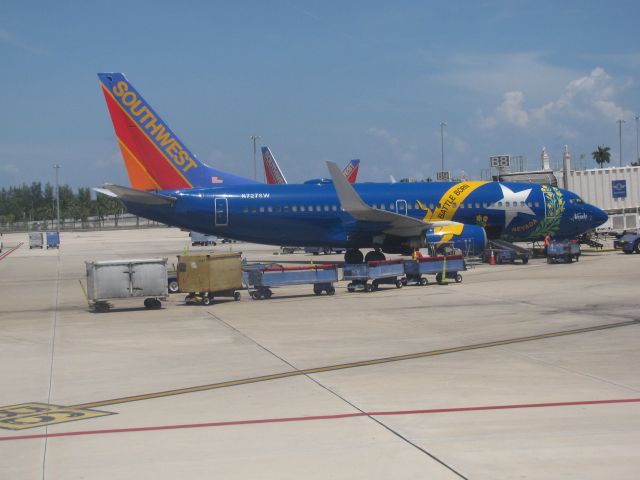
(594, 186)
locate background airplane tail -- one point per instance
(154, 156)
(272, 171)
(351, 170)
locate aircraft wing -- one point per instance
(135, 196)
(392, 223)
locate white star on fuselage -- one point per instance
(512, 204)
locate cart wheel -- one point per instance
(525, 260)
(331, 290)
(155, 304)
(148, 302)
(439, 277)
(101, 307)
(423, 281)
(255, 295)
(206, 300)
(351, 288)
(404, 281)
(458, 278)
(317, 290)
(375, 285)
(398, 284)
(173, 286)
(368, 288)
(268, 293)
(236, 296)
(577, 258)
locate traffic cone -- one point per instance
(492, 261)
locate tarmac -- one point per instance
(520, 371)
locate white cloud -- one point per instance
(588, 98)
(9, 168)
(10, 39)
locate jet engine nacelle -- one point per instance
(471, 239)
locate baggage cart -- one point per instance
(450, 266)
(35, 240)
(563, 252)
(207, 275)
(115, 279)
(260, 278)
(378, 271)
(53, 240)
(202, 239)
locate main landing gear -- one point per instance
(353, 255)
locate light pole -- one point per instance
(637, 117)
(255, 166)
(57, 168)
(442, 125)
(620, 122)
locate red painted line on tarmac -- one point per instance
(9, 252)
(319, 417)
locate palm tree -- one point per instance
(602, 155)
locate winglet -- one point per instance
(350, 201)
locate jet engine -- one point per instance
(471, 239)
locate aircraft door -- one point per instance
(221, 212)
(401, 207)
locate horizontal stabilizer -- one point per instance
(352, 203)
(135, 196)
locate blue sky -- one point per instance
(319, 80)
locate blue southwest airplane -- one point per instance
(167, 186)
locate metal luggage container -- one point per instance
(450, 266)
(379, 272)
(35, 240)
(207, 275)
(53, 240)
(107, 280)
(563, 252)
(260, 278)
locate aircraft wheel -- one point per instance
(353, 255)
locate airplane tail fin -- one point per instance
(272, 171)
(154, 156)
(351, 170)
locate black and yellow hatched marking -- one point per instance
(31, 415)
(59, 414)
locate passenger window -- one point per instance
(382, 206)
(318, 208)
(294, 208)
(522, 204)
(507, 204)
(417, 206)
(529, 204)
(334, 208)
(253, 209)
(484, 204)
(245, 210)
(326, 208)
(270, 209)
(302, 209)
(392, 206)
(499, 204)
(278, 208)
(454, 205)
(431, 206)
(537, 204)
(310, 208)
(261, 209)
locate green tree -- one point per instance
(602, 155)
